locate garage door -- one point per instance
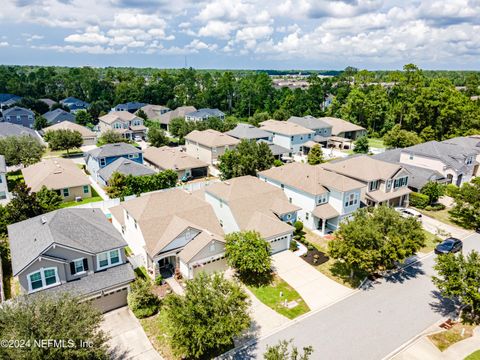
(199, 172)
(218, 265)
(111, 301)
(278, 245)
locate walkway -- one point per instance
(315, 288)
(175, 286)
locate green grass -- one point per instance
(84, 201)
(445, 339)
(270, 296)
(61, 153)
(473, 356)
(141, 273)
(14, 178)
(128, 251)
(376, 143)
(431, 242)
(440, 215)
(156, 329)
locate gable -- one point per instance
(213, 248)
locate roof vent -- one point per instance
(43, 219)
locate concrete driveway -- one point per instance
(315, 288)
(127, 338)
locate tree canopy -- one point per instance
(111, 137)
(18, 150)
(361, 145)
(120, 185)
(315, 155)
(63, 139)
(157, 137)
(282, 351)
(466, 209)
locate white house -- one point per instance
(288, 134)
(208, 145)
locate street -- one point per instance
(373, 323)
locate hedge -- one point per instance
(419, 200)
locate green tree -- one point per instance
(459, 279)
(23, 205)
(466, 209)
(48, 199)
(141, 299)
(249, 254)
(40, 122)
(376, 239)
(315, 155)
(203, 323)
(399, 138)
(83, 117)
(116, 185)
(361, 145)
(433, 190)
(18, 150)
(281, 351)
(58, 318)
(64, 139)
(157, 137)
(110, 137)
(142, 114)
(281, 114)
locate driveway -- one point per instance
(127, 338)
(315, 288)
(432, 225)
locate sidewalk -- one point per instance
(176, 287)
(98, 188)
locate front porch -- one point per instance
(325, 218)
(397, 198)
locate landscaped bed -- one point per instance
(315, 257)
(444, 339)
(277, 294)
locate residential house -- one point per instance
(343, 132)
(176, 159)
(180, 112)
(455, 162)
(20, 116)
(172, 231)
(322, 129)
(249, 132)
(61, 175)
(288, 134)
(324, 197)
(75, 251)
(4, 193)
(8, 129)
(385, 183)
(7, 100)
(103, 156)
(131, 107)
(472, 142)
(49, 102)
(74, 104)
(204, 114)
(88, 136)
(128, 125)
(208, 145)
(419, 176)
(247, 203)
(58, 115)
(153, 112)
(123, 166)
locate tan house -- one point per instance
(89, 137)
(61, 175)
(208, 145)
(343, 132)
(153, 112)
(385, 183)
(128, 125)
(175, 158)
(179, 112)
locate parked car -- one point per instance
(408, 212)
(449, 246)
(186, 178)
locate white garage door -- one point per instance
(279, 244)
(217, 265)
(111, 301)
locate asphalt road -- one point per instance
(371, 323)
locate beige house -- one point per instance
(123, 122)
(179, 112)
(89, 137)
(61, 175)
(385, 183)
(175, 158)
(153, 111)
(343, 132)
(208, 145)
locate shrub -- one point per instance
(451, 190)
(419, 200)
(298, 226)
(141, 300)
(435, 207)
(277, 162)
(159, 280)
(293, 245)
(310, 247)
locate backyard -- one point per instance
(376, 143)
(95, 197)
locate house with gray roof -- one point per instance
(75, 104)
(323, 130)
(58, 115)
(249, 132)
(7, 100)
(455, 162)
(204, 114)
(4, 194)
(131, 107)
(472, 142)
(180, 112)
(71, 250)
(20, 116)
(8, 129)
(125, 167)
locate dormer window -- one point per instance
(469, 160)
(374, 185)
(103, 162)
(79, 266)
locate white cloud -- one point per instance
(141, 21)
(3, 43)
(218, 29)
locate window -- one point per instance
(103, 162)
(117, 126)
(86, 189)
(469, 160)
(282, 186)
(42, 278)
(389, 184)
(290, 200)
(133, 156)
(289, 216)
(212, 247)
(400, 182)
(66, 192)
(374, 185)
(102, 260)
(306, 216)
(1, 180)
(36, 281)
(352, 199)
(322, 199)
(114, 257)
(411, 157)
(3, 195)
(221, 223)
(79, 266)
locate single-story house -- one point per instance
(88, 136)
(74, 104)
(180, 112)
(153, 112)
(204, 114)
(125, 167)
(208, 145)
(59, 115)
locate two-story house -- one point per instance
(455, 162)
(4, 194)
(59, 115)
(247, 203)
(128, 125)
(325, 198)
(249, 132)
(76, 251)
(204, 114)
(288, 134)
(344, 133)
(172, 231)
(166, 118)
(105, 155)
(74, 104)
(208, 145)
(19, 116)
(131, 107)
(7, 100)
(322, 129)
(153, 112)
(385, 183)
(469, 142)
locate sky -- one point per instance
(242, 34)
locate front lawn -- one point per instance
(473, 356)
(14, 178)
(376, 143)
(270, 296)
(440, 215)
(61, 153)
(155, 328)
(444, 339)
(431, 242)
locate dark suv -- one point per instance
(450, 245)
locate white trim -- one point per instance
(109, 259)
(42, 277)
(83, 267)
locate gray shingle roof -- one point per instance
(110, 150)
(276, 149)
(247, 131)
(59, 115)
(83, 229)
(17, 110)
(9, 129)
(466, 141)
(309, 122)
(96, 282)
(201, 113)
(129, 106)
(125, 167)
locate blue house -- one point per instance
(103, 156)
(59, 115)
(7, 100)
(20, 116)
(75, 104)
(131, 107)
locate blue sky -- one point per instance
(236, 34)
